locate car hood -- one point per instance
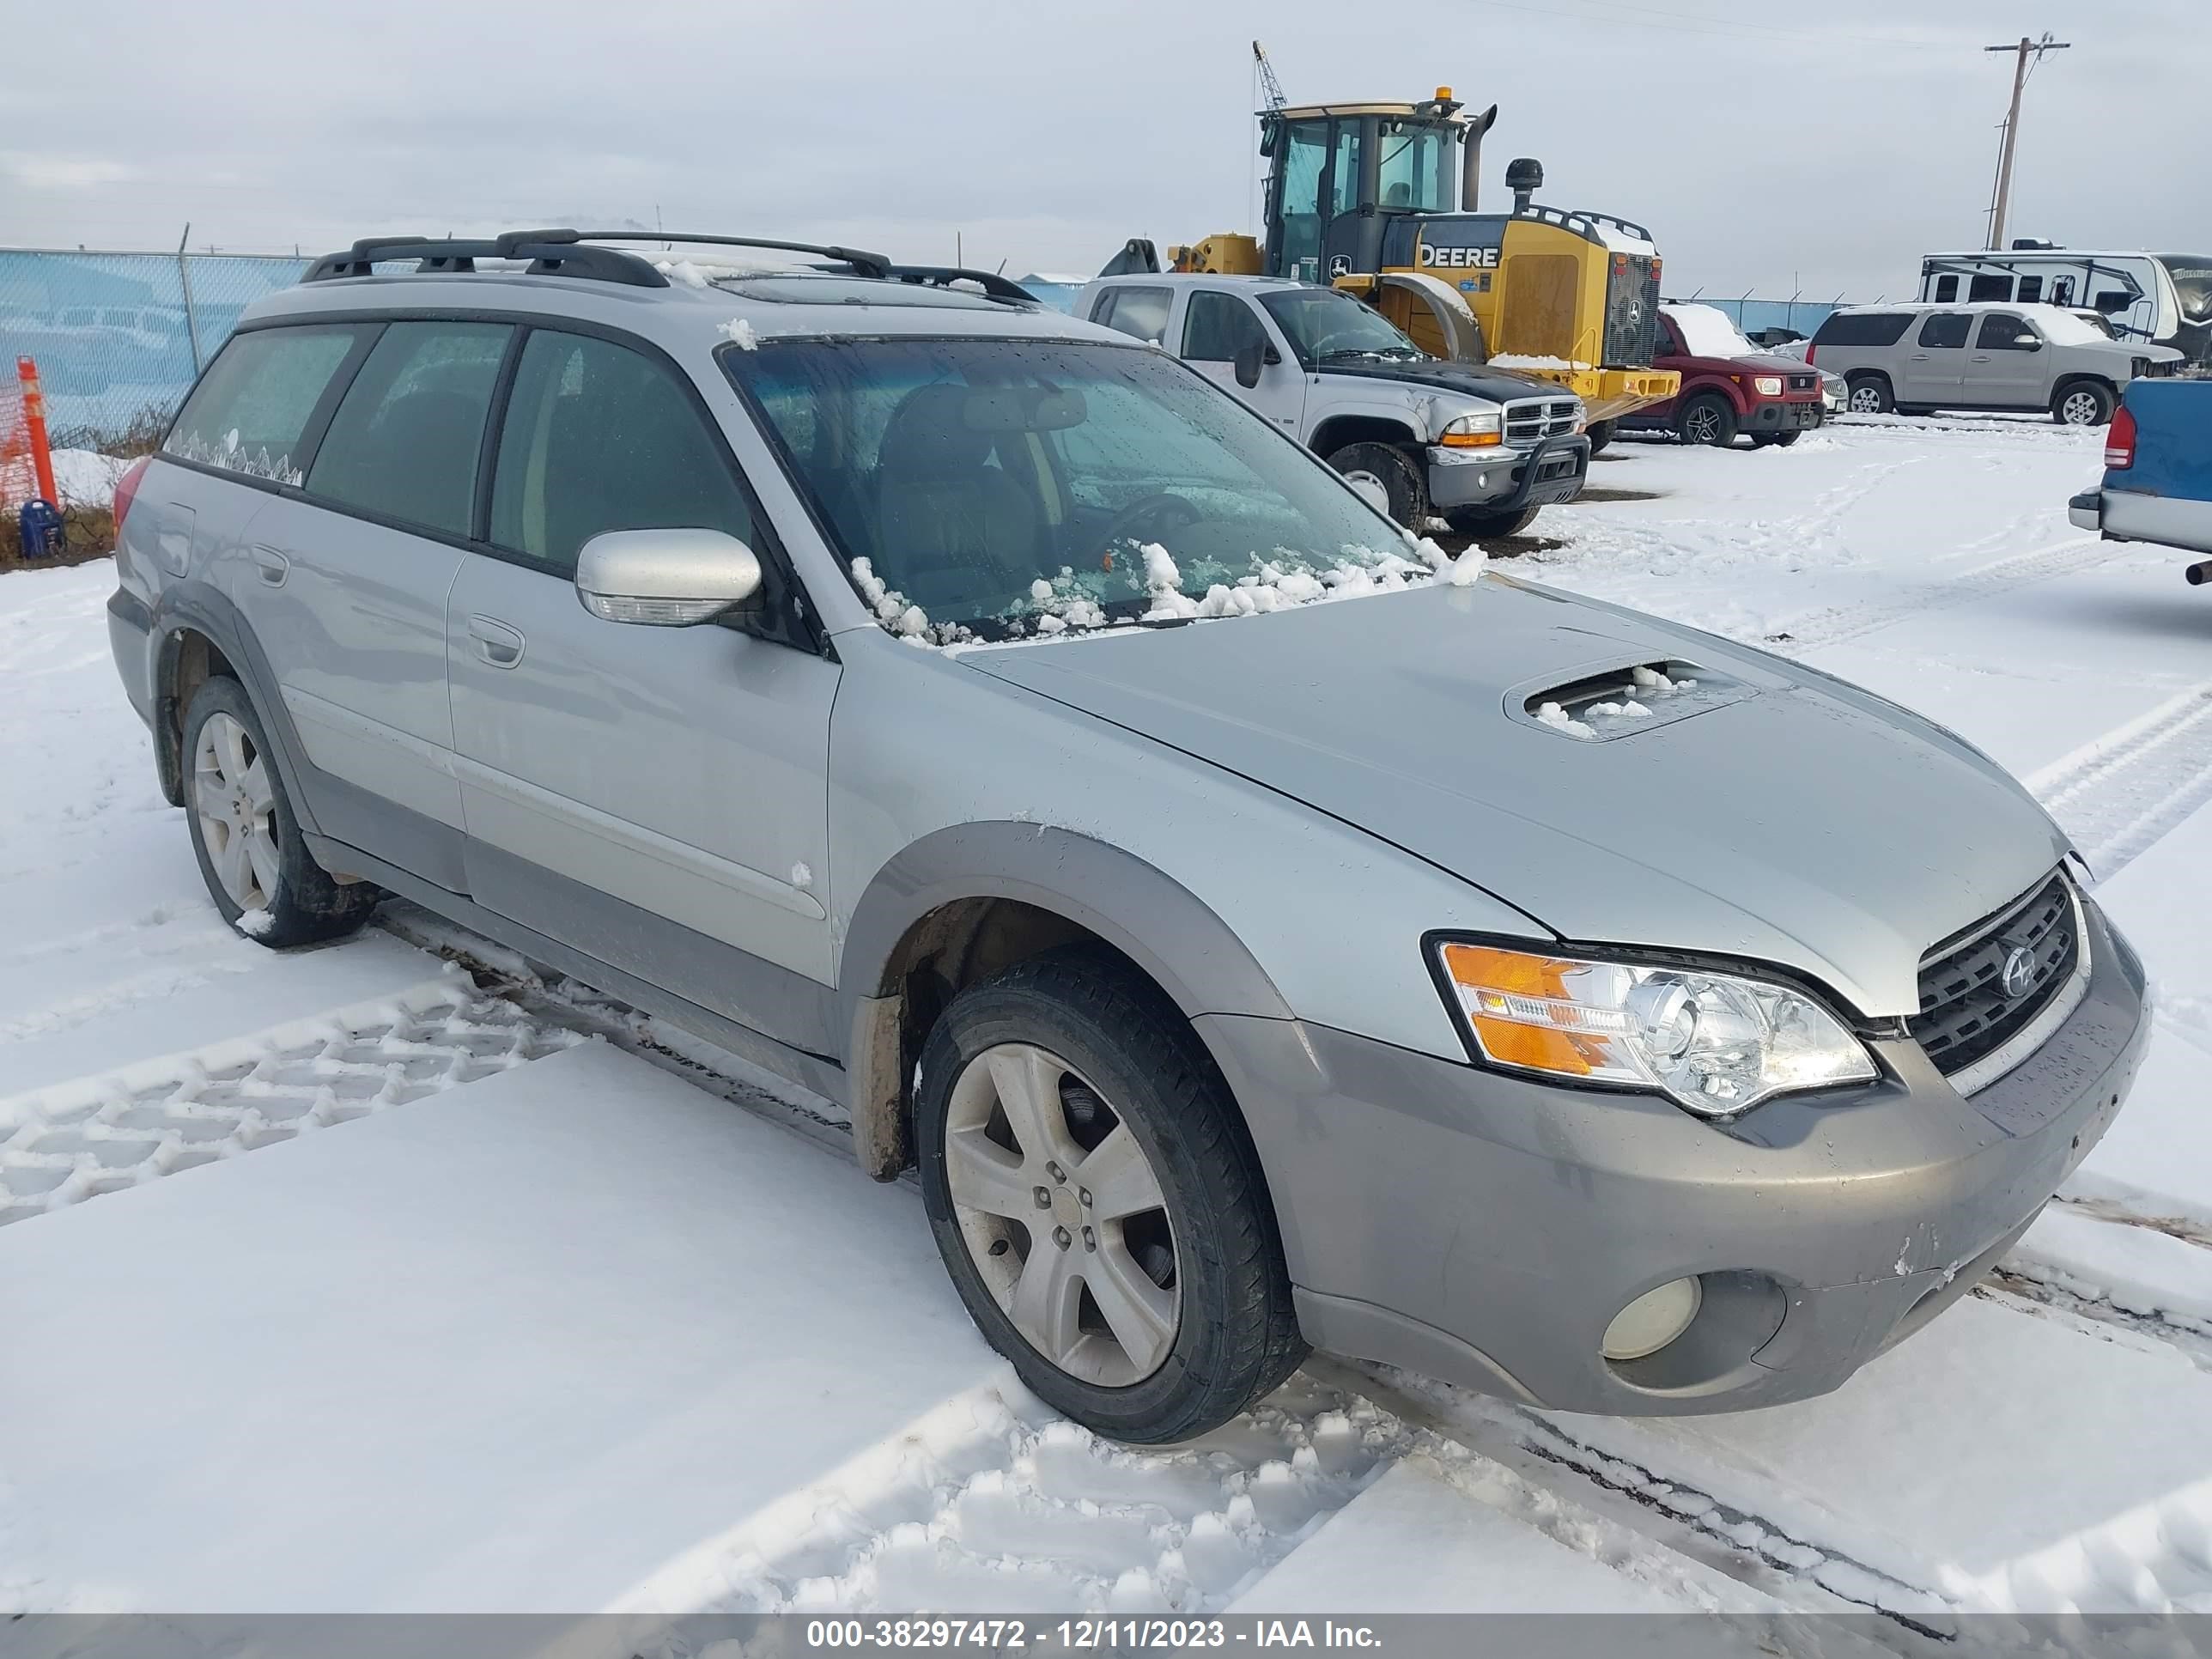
(1497, 385)
(1794, 820)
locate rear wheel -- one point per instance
(1775, 440)
(1394, 471)
(252, 855)
(1707, 418)
(1097, 1202)
(2085, 403)
(1870, 395)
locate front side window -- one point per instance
(1003, 489)
(1217, 326)
(252, 408)
(1946, 330)
(599, 437)
(1324, 327)
(2002, 332)
(1139, 312)
(404, 441)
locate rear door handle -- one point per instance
(496, 642)
(273, 565)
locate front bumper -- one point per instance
(1485, 1228)
(1508, 480)
(1800, 415)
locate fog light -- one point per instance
(1653, 1320)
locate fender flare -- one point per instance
(1193, 956)
(201, 607)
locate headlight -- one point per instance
(1766, 386)
(1716, 1043)
(1474, 431)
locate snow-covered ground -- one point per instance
(500, 1315)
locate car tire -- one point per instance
(1870, 395)
(1479, 525)
(1396, 471)
(2083, 402)
(1062, 1065)
(1707, 418)
(251, 854)
(1774, 439)
(1599, 434)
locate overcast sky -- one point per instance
(1769, 148)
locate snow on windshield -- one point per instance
(2063, 327)
(1708, 332)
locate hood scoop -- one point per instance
(1620, 703)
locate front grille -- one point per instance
(1803, 382)
(1966, 1011)
(1538, 418)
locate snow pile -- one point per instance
(85, 477)
(739, 332)
(1553, 715)
(1540, 364)
(255, 923)
(684, 271)
(1651, 680)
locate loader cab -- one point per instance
(1338, 172)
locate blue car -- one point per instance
(2157, 471)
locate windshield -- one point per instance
(2065, 328)
(2193, 283)
(1414, 173)
(1001, 488)
(1325, 327)
(1708, 332)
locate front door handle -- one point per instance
(272, 566)
(1979, 357)
(495, 641)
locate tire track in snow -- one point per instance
(2117, 794)
(1841, 625)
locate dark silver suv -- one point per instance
(1259, 929)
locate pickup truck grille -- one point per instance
(1967, 1010)
(1537, 418)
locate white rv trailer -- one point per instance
(2164, 298)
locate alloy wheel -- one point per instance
(236, 804)
(2080, 408)
(1866, 400)
(1701, 426)
(1062, 1215)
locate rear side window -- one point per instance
(1141, 312)
(599, 437)
(1945, 331)
(1863, 328)
(1217, 326)
(252, 408)
(406, 439)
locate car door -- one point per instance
(346, 588)
(1931, 368)
(2006, 368)
(656, 798)
(1215, 327)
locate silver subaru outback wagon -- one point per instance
(1259, 930)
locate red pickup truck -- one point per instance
(1730, 388)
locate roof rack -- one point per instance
(551, 252)
(994, 285)
(859, 260)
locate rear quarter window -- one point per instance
(252, 408)
(1869, 328)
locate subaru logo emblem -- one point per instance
(2019, 972)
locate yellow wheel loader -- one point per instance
(1378, 199)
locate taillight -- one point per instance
(2120, 441)
(1812, 356)
(126, 490)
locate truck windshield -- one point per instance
(1325, 327)
(1414, 175)
(2193, 283)
(992, 489)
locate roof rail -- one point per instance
(860, 259)
(994, 285)
(551, 252)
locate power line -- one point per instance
(2001, 196)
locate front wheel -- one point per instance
(1709, 419)
(252, 855)
(2086, 402)
(1097, 1202)
(1396, 473)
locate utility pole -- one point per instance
(2003, 198)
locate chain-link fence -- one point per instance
(118, 338)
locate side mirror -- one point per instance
(1248, 360)
(665, 578)
(2035, 345)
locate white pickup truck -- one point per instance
(1479, 447)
